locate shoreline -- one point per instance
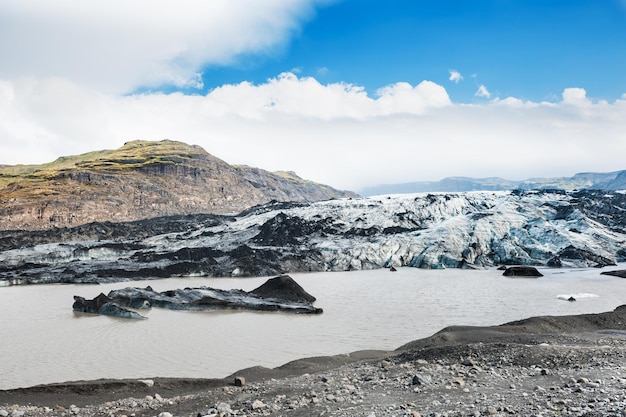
(601, 336)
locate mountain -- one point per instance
(586, 180)
(615, 183)
(454, 230)
(140, 180)
(287, 186)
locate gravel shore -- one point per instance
(545, 366)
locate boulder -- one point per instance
(283, 288)
(522, 271)
(619, 273)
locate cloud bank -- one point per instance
(332, 133)
(69, 68)
(118, 45)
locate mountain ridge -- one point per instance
(140, 180)
(613, 181)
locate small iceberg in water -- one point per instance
(574, 297)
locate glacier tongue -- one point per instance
(462, 230)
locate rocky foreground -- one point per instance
(544, 366)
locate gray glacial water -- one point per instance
(43, 341)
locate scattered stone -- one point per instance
(491, 410)
(223, 408)
(460, 382)
(256, 404)
(468, 362)
(419, 379)
(240, 381)
(148, 382)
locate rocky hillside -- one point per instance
(140, 180)
(463, 230)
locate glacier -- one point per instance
(430, 230)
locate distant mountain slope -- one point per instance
(616, 183)
(140, 180)
(287, 186)
(586, 180)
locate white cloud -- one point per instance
(332, 133)
(482, 92)
(306, 97)
(576, 97)
(455, 76)
(322, 70)
(119, 45)
(404, 98)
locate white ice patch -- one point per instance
(578, 296)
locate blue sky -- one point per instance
(529, 49)
(350, 93)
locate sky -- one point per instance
(351, 93)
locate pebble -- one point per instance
(224, 408)
(147, 382)
(256, 404)
(420, 379)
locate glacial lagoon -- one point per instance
(43, 341)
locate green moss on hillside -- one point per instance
(32, 181)
(293, 178)
(132, 156)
